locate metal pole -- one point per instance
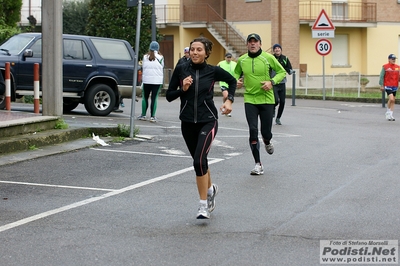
(294, 88)
(132, 122)
(153, 23)
(323, 78)
(383, 99)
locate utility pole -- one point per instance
(153, 22)
(52, 56)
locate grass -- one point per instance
(61, 124)
(33, 147)
(125, 130)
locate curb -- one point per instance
(50, 137)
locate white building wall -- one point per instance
(34, 8)
(31, 7)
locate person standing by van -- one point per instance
(153, 79)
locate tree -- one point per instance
(10, 11)
(113, 19)
(75, 17)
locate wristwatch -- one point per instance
(230, 97)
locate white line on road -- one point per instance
(147, 153)
(94, 199)
(56, 186)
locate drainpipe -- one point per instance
(280, 21)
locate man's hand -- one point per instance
(266, 85)
(239, 84)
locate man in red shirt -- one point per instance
(389, 81)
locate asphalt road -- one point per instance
(334, 176)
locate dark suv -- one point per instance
(95, 70)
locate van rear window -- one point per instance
(112, 49)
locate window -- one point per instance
(76, 50)
(340, 51)
(16, 44)
(340, 10)
(37, 49)
(112, 49)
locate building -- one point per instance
(31, 8)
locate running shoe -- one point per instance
(388, 116)
(392, 118)
(229, 115)
(141, 117)
(258, 170)
(211, 198)
(278, 121)
(203, 212)
(269, 148)
(153, 119)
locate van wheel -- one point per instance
(99, 100)
(69, 104)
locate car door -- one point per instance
(24, 76)
(78, 65)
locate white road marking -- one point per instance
(94, 199)
(56, 186)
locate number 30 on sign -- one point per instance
(323, 47)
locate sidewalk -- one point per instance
(22, 133)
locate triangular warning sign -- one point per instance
(323, 22)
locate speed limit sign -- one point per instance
(323, 47)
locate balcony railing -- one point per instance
(203, 14)
(167, 14)
(338, 11)
(231, 37)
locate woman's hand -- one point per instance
(187, 82)
(226, 107)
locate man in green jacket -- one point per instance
(228, 65)
(254, 70)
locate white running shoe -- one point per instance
(258, 170)
(269, 148)
(211, 198)
(392, 118)
(141, 117)
(387, 115)
(203, 212)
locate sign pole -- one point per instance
(132, 121)
(323, 78)
(323, 47)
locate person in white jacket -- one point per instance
(153, 79)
